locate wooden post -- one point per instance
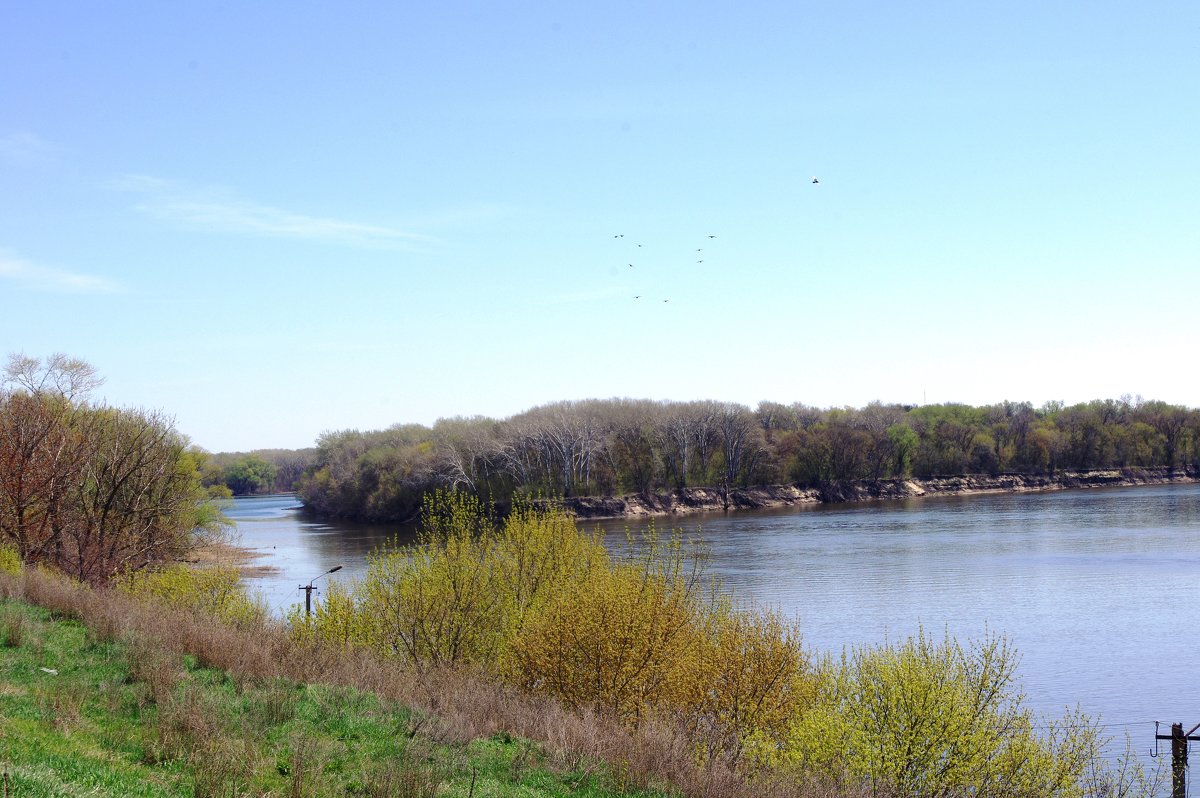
(1179, 746)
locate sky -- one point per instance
(272, 220)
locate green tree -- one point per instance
(904, 443)
(250, 474)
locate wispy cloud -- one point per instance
(208, 209)
(45, 278)
(24, 149)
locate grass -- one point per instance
(85, 715)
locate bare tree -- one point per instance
(41, 455)
(68, 377)
(737, 427)
(135, 503)
(675, 435)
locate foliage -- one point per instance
(598, 447)
(258, 471)
(754, 678)
(92, 490)
(250, 474)
(216, 590)
(337, 619)
(10, 560)
(935, 719)
(459, 594)
(623, 638)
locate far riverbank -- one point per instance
(685, 501)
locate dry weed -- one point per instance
(186, 724)
(12, 629)
(306, 762)
(159, 669)
(63, 704)
(222, 768)
(414, 776)
(274, 704)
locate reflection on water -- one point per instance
(1094, 587)
(299, 547)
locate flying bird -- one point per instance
(622, 235)
(712, 236)
(815, 179)
(639, 296)
(631, 265)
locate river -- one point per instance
(1094, 587)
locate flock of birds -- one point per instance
(639, 246)
(699, 250)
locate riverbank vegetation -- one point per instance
(624, 446)
(258, 472)
(521, 628)
(115, 712)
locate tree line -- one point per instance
(258, 472)
(618, 446)
(91, 490)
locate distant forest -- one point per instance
(603, 447)
(257, 472)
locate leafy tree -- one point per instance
(903, 443)
(250, 474)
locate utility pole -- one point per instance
(309, 588)
(1179, 748)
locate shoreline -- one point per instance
(232, 554)
(686, 501)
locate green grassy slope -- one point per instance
(82, 717)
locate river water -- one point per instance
(1095, 588)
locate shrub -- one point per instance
(337, 619)
(214, 589)
(935, 719)
(438, 601)
(622, 639)
(10, 560)
(754, 677)
(467, 587)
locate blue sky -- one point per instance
(270, 220)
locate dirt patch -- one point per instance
(240, 557)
